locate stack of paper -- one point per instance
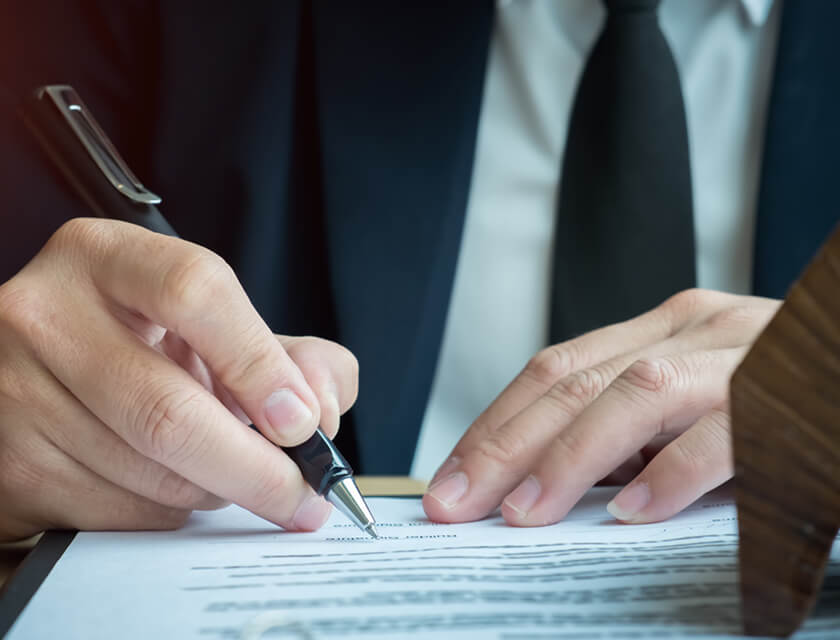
(229, 574)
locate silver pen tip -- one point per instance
(345, 496)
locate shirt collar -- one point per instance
(757, 10)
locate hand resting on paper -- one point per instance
(130, 364)
(643, 402)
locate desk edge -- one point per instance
(28, 577)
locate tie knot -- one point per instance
(631, 6)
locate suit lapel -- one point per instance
(396, 173)
(798, 190)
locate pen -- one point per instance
(80, 149)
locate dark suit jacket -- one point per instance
(325, 149)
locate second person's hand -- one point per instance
(644, 401)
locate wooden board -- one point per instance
(785, 400)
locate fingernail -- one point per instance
(311, 514)
(630, 501)
(446, 469)
(286, 412)
(449, 490)
(524, 496)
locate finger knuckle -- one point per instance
(736, 317)
(174, 490)
(270, 487)
(254, 360)
(22, 308)
(685, 302)
(91, 235)
(568, 448)
(167, 425)
(717, 434)
(194, 277)
(552, 363)
(502, 448)
(576, 391)
(687, 459)
(720, 424)
(682, 306)
(706, 445)
(656, 375)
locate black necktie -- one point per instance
(625, 237)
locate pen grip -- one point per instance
(72, 159)
(320, 462)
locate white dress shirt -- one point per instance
(498, 316)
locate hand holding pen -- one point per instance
(131, 365)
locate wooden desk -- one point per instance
(390, 486)
(11, 555)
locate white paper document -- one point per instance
(229, 574)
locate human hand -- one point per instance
(130, 365)
(644, 401)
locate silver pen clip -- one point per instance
(101, 151)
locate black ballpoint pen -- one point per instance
(80, 149)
